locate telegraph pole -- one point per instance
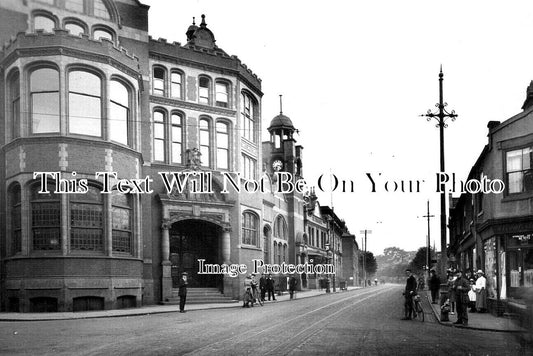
(365, 232)
(441, 116)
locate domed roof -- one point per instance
(281, 122)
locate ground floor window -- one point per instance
(43, 305)
(519, 266)
(87, 303)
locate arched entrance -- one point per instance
(191, 240)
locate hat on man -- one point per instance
(479, 271)
(184, 274)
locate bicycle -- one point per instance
(418, 311)
(256, 297)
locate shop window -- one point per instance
(43, 23)
(44, 98)
(175, 85)
(205, 142)
(85, 103)
(16, 219)
(222, 94)
(204, 90)
(247, 118)
(14, 103)
(250, 228)
(119, 113)
(45, 218)
(122, 222)
(490, 266)
(222, 145)
(87, 221)
(520, 170)
(176, 132)
(74, 29)
(159, 136)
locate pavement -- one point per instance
(153, 309)
(478, 321)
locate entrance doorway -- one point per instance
(191, 240)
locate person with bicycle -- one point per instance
(409, 293)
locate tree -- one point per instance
(419, 261)
(370, 262)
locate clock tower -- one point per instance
(281, 153)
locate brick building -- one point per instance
(494, 231)
(85, 89)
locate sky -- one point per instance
(356, 76)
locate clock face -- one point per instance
(277, 165)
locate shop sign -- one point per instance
(523, 238)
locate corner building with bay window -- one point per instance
(85, 89)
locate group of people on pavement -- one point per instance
(266, 287)
(463, 293)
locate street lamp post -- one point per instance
(441, 116)
(428, 251)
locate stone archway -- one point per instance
(190, 241)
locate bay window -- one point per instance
(44, 99)
(119, 112)
(85, 103)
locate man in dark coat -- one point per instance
(293, 282)
(409, 293)
(262, 286)
(182, 292)
(434, 286)
(460, 287)
(270, 287)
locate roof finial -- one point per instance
(203, 24)
(280, 105)
(440, 74)
(193, 19)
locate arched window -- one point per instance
(280, 228)
(175, 84)
(204, 90)
(159, 136)
(44, 97)
(41, 22)
(205, 142)
(120, 113)
(247, 118)
(222, 94)
(14, 103)
(101, 33)
(177, 137)
(266, 243)
(16, 220)
(74, 29)
(45, 218)
(87, 221)
(85, 103)
(250, 229)
(158, 81)
(222, 145)
(122, 222)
